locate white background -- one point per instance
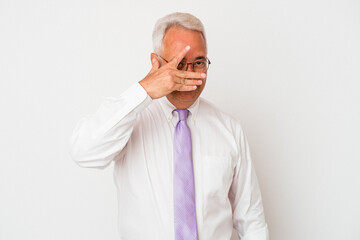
(289, 70)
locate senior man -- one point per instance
(182, 167)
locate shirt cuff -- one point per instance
(136, 98)
(140, 95)
(127, 105)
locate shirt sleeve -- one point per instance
(100, 138)
(245, 197)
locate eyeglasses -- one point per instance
(200, 65)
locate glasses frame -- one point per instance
(187, 64)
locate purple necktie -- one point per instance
(184, 191)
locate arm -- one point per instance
(245, 197)
(101, 138)
(98, 139)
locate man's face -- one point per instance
(174, 41)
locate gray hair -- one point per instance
(177, 19)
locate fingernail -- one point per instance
(203, 75)
(199, 82)
(194, 87)
(187, 47)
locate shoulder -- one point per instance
(215, 119)
(212, 111)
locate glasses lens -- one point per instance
(181, 65)
(200, 66)
(197, 66)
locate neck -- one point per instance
(180, 104)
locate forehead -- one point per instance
(176, 39)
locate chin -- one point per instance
(184, 99)
(187, 96)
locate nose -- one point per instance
(191, 67)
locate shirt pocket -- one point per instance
(217, 176)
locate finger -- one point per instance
(177, 59)
(187, 82)
(190, 75)
(184, 88)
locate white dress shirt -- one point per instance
(136, 133)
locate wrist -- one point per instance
(146, 86)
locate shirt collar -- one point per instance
(168, 109)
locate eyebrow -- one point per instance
(200, 57)
(197, 58)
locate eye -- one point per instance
(181, 65)
(200, 64)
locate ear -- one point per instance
(152, 57)
(155, 61)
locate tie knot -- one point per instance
(183, 113)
